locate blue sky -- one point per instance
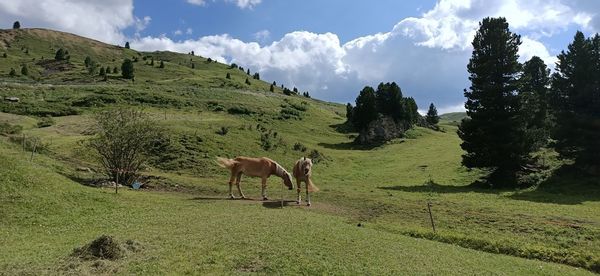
(347, 19)
(331, 48)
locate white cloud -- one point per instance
(178, 32)
(242, 4)
(262, 36)
(189, 31)
(197, 2)
(141, 24)
(102, 20)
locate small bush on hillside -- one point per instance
(123, 140)
(30, 143)
(13, 72)
(46, 122)
(10, 129)
(223, 131)
(290, 113)
(239, 110)
(299, 147)
(317, 156)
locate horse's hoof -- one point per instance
(298, 202)
(265, 198)
(231, 197)
(243, 197)
(308, 204)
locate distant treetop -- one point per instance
(16, 25)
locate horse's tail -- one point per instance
(226, 163)
(311, 186)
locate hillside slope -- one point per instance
(52, 205)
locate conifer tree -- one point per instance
(493, 135)
(127, 69)
(24, 70)
(366, 108)
(534, 83)
(16, 25)
(432, 117)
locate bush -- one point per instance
(290, 113)
(317, 156)
(239, 110)
(46, 122)
(299, 147)
(123, 140)
(9, 129)
(30, 143)
(223, 131)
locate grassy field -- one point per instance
(184, 225)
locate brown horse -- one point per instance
(257, 167)
(303, 172)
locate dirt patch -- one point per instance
(54, 66)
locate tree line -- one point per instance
(387, 100)
(515, 109)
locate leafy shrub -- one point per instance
(223, 131)
(300, 107)
(95, 100)
(299, 147)
(239, 110)
(9, 129)
(290, 113)
(267, 141)
(317, 156)
(46, 122)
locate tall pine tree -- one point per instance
(366, 108)
(432, 117)
(534, 82)
(576, 102)
(493, 136)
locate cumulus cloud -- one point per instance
(262, 36)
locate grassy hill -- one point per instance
(182, 223)
(453, 116)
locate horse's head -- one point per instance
(287, 180)
(306, 166)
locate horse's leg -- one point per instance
(231, 185)
(239, 187)
(264, 188)
(298, 183)
(307, 194)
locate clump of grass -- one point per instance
(299, 147)
(104, 247)
(10, 129)
(239, 110)
(223, 131)
(46, 122)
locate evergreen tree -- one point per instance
(256, 76)
(127, 45)
(115, 70)
(411, 111)
(248, 72)
(432, 117)
(87, 61)
(366, 108)
(4, 55)
(193, 66)
(228, 76)
(349, 112)
(576, 101)
(247, 81)
(127, 69)
(107, 70)
(102, 71)
(92, 67)
(390, 101)
(534, 82)
(295, 90)
(17, 25)
(60, 54)
(493, 137)
(24, 70)
(162, 64)
(272, 88)
(152, 62)
(274, 83)
(13, 72)
(209, 60)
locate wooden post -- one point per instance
(117, 183)
(430, 216)
(33, 151)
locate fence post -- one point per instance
(430, 216)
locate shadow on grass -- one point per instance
(477, 187)
(350, 146)
(567, 185)
(275, 204)
(342, 128)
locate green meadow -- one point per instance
(370, 217)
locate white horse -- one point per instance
(302, 172)
(257, 167)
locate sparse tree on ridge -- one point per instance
(17, 25)
(432, 117)
(493, 135)
(127, 69)
(24, 70)
(248, 81)
(127, 45)
(272, 88)
(228, 76)
(13, 72)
